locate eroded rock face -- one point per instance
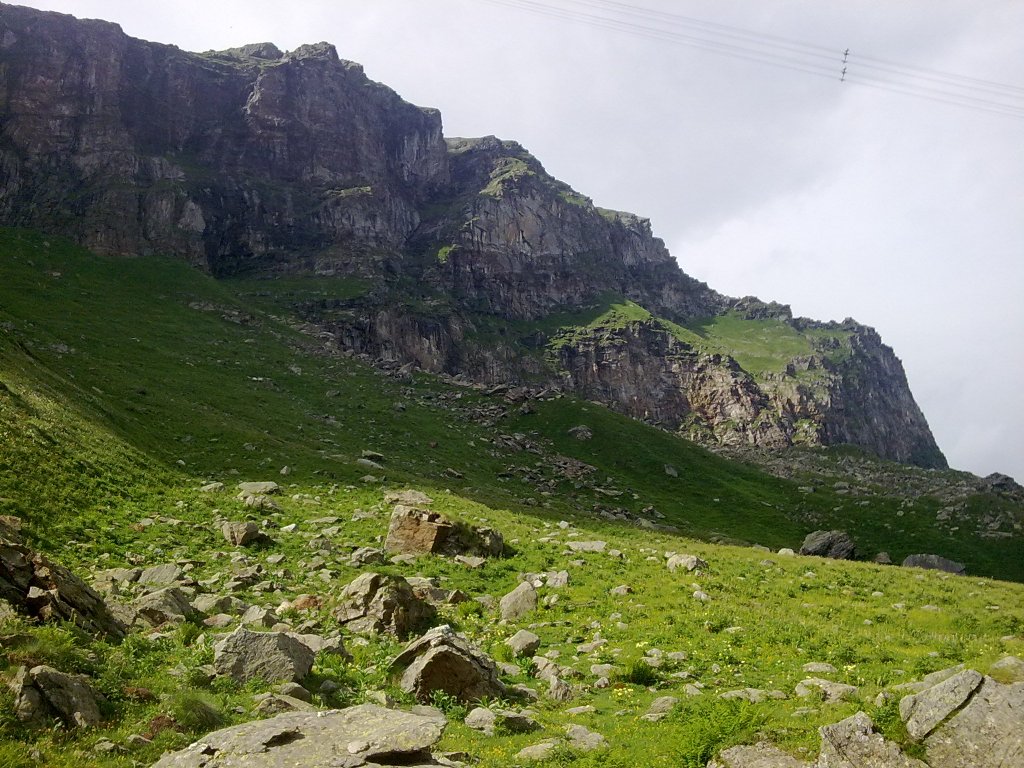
(36, 586)
(269, 656)
(442, 660)
(349, 738)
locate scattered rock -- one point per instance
(442, 660)
(242, 534)
(409, 497)
(762, 755)
(419, 532)
(581, 432)
(584, 739)
(935, 563)
(686, 562)
(753, 695)
(169, 605)
(1008, 669)
(853, 743)
(375, 603)
(45, 692)
(540, 751)
(523, 643)
(353, 737)
(835, 544)
(519, 602)
(35, 586)
(270, 656)
(587, 546)
(264, 488)
(487, 721)
(832, 692)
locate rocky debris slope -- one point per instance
(258, 161)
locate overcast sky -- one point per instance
(763, 173)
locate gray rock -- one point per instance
(935, 563)
(346, 738)
(442, 660)
(169, 605)
(523, 643)
(584, 739)
(753, 695)
(558, 689)
(375, 603)
(46, 692)
(415, 531)
(762, 755)
(1008, 669)
(264, 488)
(853, 743)
(242, 534)
(587, 546)
(487, 721)
(539, 751)
(831, 691)
(686, 562)
(835, 544)
(519, 602)
(819, 668)
(366, 556)
(270, 656)
(411, 498)
(922, 712)
(168, 573)
(987, 733)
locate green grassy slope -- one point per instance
(126, 384)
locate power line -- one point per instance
(773, 50)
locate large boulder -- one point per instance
(242, 533)
(358, 736)
(414, 531)
(835, 544)
(375, 603)
(44, 692)
(922, 712)
(442, 660)
(169, 605)
(35, 586)
(853, 743)
(269, 656)
(934, 563)
(987, 732)
(519, 602)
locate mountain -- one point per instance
(457, 256)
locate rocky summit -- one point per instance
(463, 256)
(326, 440)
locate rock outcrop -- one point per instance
(357, 736)
(259, 161)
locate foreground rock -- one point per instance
(854, 743)
(414, 531)
(270, 656)
(375, 603)
(761, 755)
(44, 692)
(442, 660)
(835, 544)
(37, 587)
(358, 736)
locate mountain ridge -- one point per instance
(258, 162)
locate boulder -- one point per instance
(264, 488)
(934, 563)
(686, 562)
(415, 531)
(353, 737)
(45, 692)
(269, 656)
(169, 605)
(375, 603)
(165, 573)
(487, 720)
(523, 643)
(832, 692)
(762, 755)
(242, 533)
(853, 743)
(584, 739)
(922, 712)
(35, 586)
(519, 602)
(410, 498)
(835, 544)
(442, 660)
(988, 732)
(1009, 669)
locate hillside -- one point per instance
(461, 256)
(144, 388)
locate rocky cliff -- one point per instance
(472, 259)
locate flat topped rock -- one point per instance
(261, 488)
(345, 738)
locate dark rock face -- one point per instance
(256, 161)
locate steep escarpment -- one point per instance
(463, 256)
(235, 160)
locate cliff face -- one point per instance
(478, 262)
(234, 160)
